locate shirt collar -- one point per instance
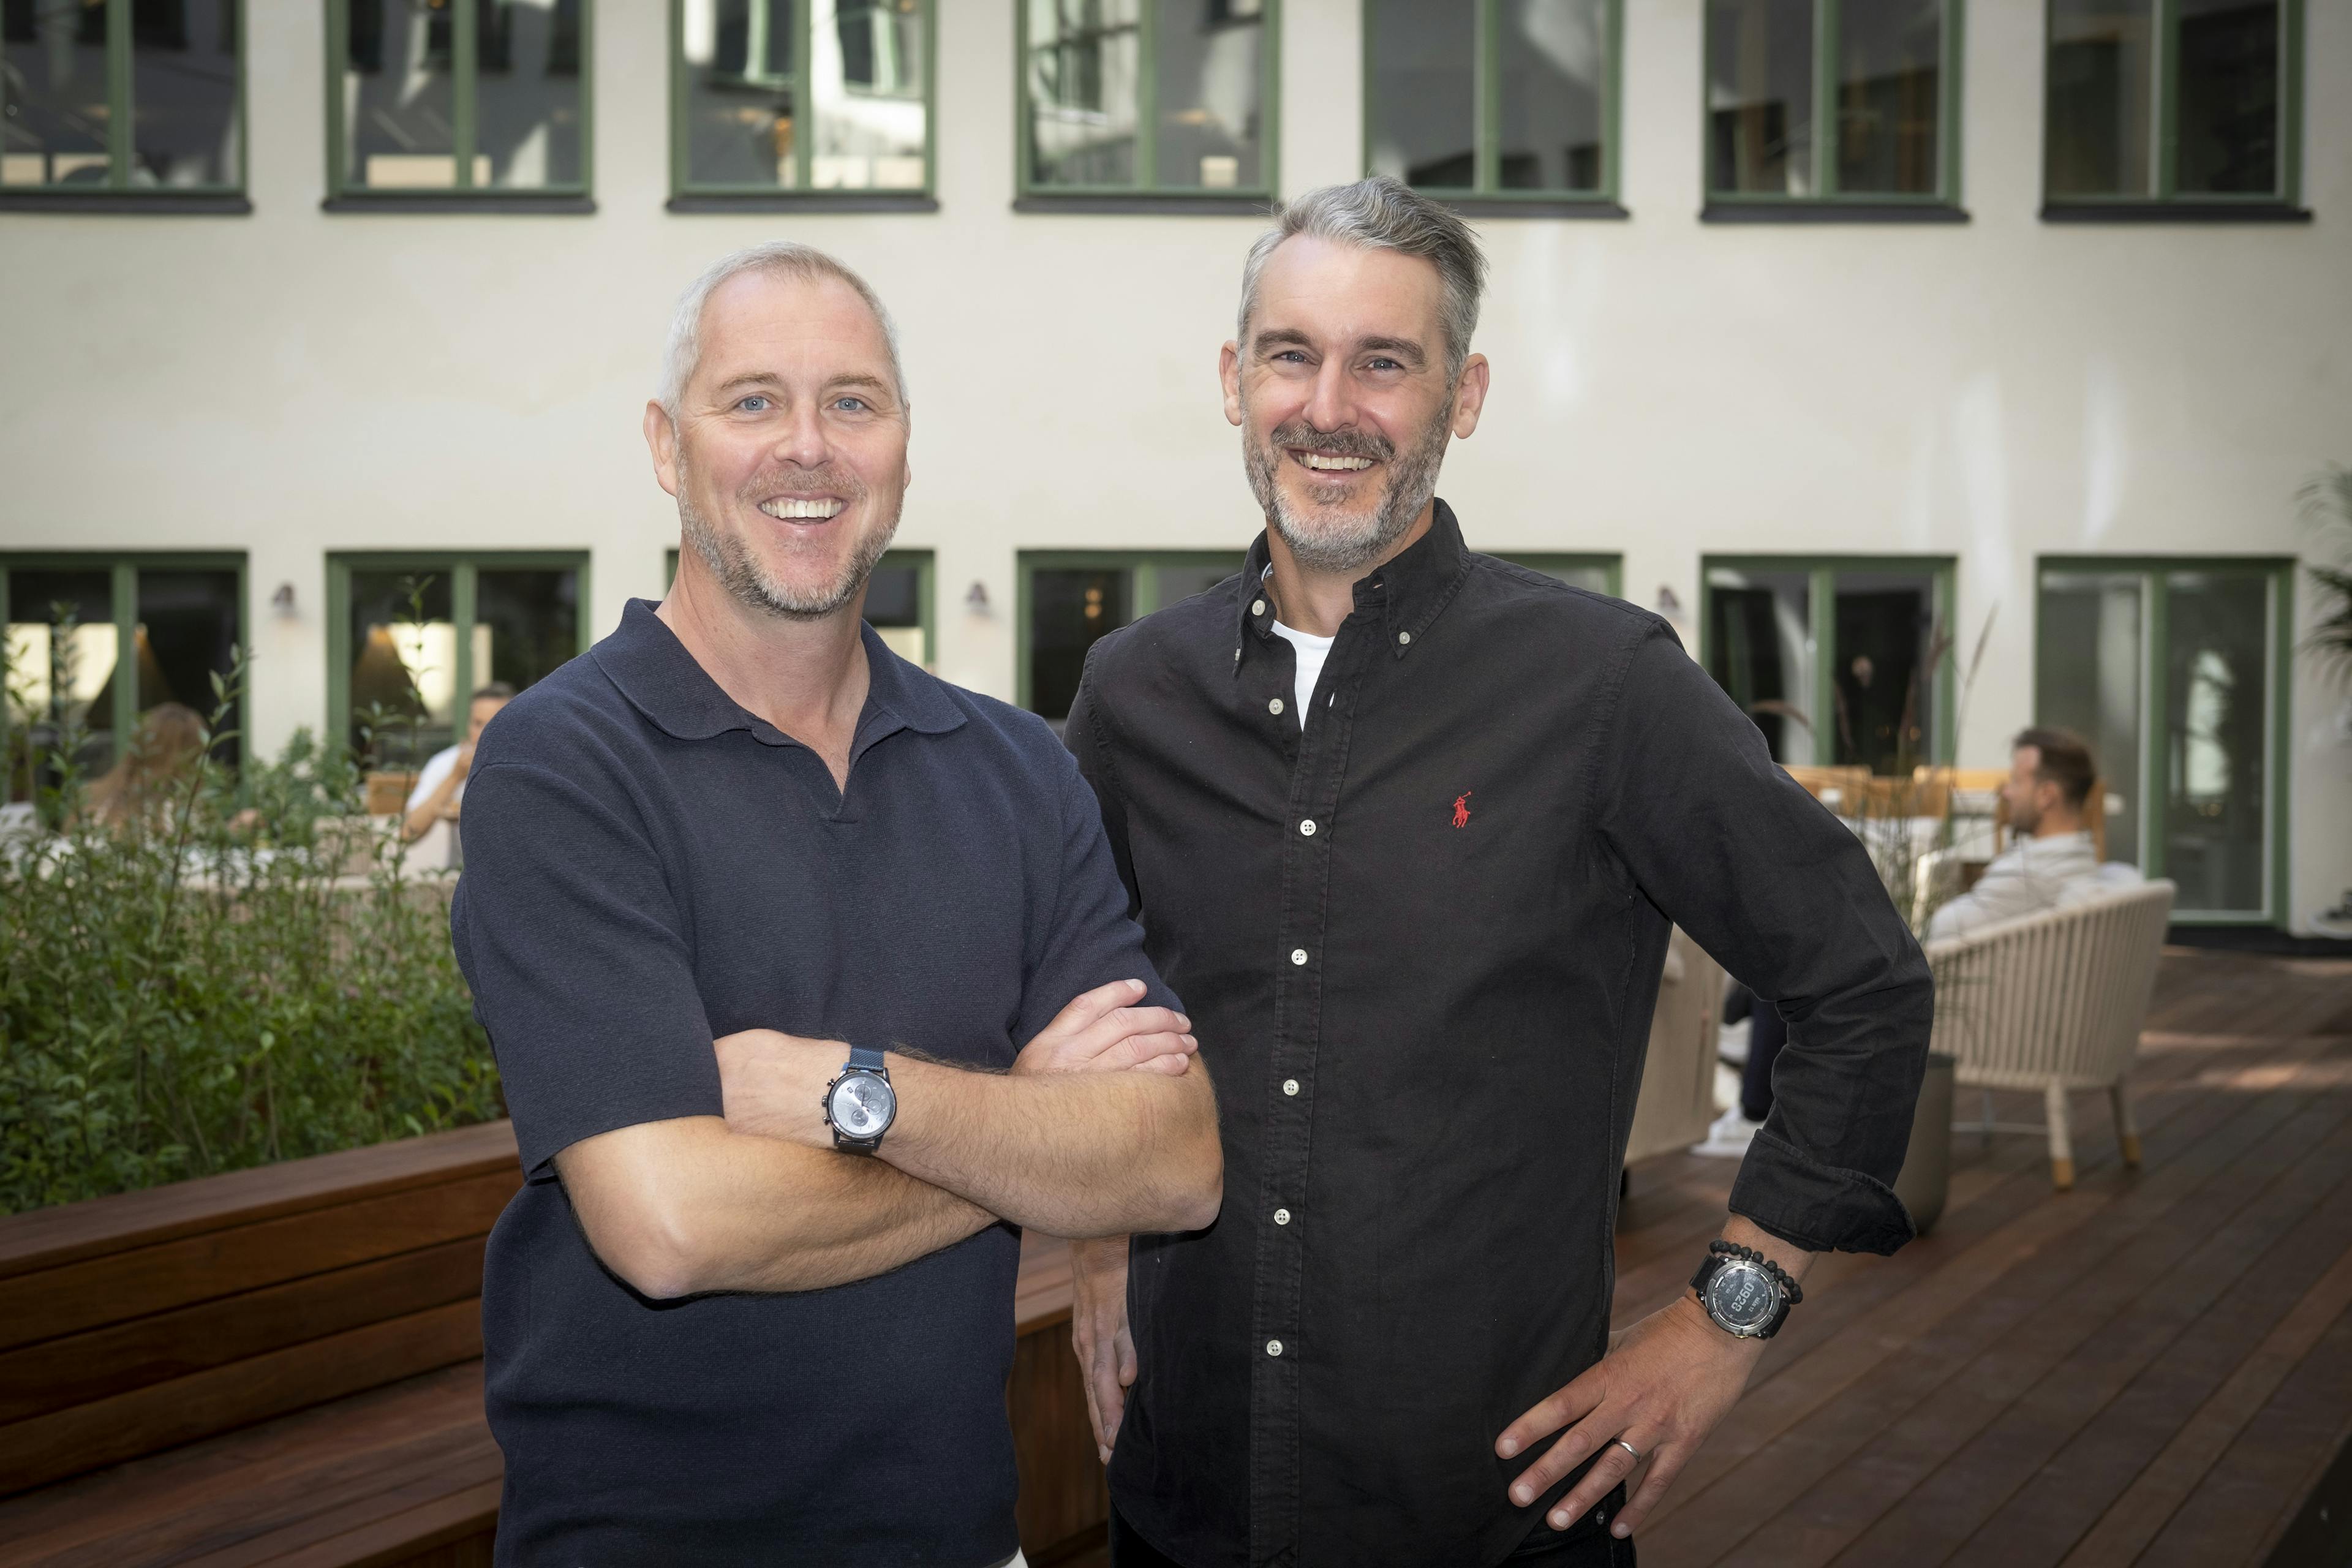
(1409, 591)
(652, 668)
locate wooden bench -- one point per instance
(282, 1366)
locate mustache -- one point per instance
(825, 480)
(1339, 443)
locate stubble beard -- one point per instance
(741, 573)
(1326, 538)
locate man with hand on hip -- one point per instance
(776, 938)
(1408, 827)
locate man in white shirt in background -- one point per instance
(2053, 862)
(433, 803)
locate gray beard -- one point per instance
(1356, 542)
(731, 563)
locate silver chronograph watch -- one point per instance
(1743, 1291)
(860, 1104)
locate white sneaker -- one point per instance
(1729, 1137)
(1731, 1042)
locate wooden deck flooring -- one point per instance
(2154, 1368)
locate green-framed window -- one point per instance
(1601, 573)
(1494, 104)
(179, 618)
(1158, 99)
(1069, 598)
(1841, 660)
(1818, 107)
(901, 602)
(2179, 104)
(400, 673)
(437, 105)
(2177, 672)
(122, 103)
(803, 103)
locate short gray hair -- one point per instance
(1383, 213)
(784, 258)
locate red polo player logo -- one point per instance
(1462, 809)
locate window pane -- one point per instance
(1084, 63)
(866, 86)
(527, 93)
(1206, 68)
(738, 92)
(188, 629)
(398, 122)
(183, 91)
(1180, 580)
(2102, 110)
(1890, 57)
(894, 608)
(59, 678)
(403, 667)
(1885, 685)
(526, 623)
(53, 122)
(1424, 74)
(1761, 640)
(2217, 681)
(1553, 78)
(2228, 97)
(1590, 575)
(1759, 96)
(1069, 607)
(2087, 679)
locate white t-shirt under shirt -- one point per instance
(437, 847)
(1310, 651)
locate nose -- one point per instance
(801, 442)
(1332, 404)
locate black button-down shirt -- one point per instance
(1420, 943)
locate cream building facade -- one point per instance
(2088, 436)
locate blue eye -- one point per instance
(853, 404)
(755, 404)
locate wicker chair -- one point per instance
(2054, 1001)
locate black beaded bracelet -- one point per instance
(1733, 1249)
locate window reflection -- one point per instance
(1085, 59)
(61, 654)
(526, 624)
(1760, 644)
(403, 676)
(865, 86)
(1759, 97)
(1552, 83)
(2228, 97)
(183, 93)
(1423, 110)
(398, 103)
(1885, 685)
(2102, 97)
(2217, 678)
(1889, 96)
(527, 93)
(894, 608)
(740, 84)
(2087, 679)
(1070, 609)
(1206, 71)
(189, 622)
(53, 122)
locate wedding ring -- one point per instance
(1629, 1448)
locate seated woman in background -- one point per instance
(153, 771)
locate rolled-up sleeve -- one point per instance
(568, 934)
(1778, 891)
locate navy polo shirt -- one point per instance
(649, 866)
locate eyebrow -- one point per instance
(1405, 349)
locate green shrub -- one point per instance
(229, 972)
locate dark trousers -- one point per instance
(1588, 1545)
(1767, 1033)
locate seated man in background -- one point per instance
(433, 800)
(2054, 862)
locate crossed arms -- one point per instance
(1105, 1125)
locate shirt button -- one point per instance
(1298, 955)
(1404, 638)
(1275, 705)
(1308, 827)
(1282, 1216)
(1290, 1086)
(1257, 606)
(1274, 1347)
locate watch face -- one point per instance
(861, 1104)
(1740, 1296)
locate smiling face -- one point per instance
(788, 452)
(1343, 398)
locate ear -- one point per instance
(1469, 397)
(661, 438)
(1229, 372)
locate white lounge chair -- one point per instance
(2054, 1001)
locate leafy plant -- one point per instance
(2327, 507)
(230, 969)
